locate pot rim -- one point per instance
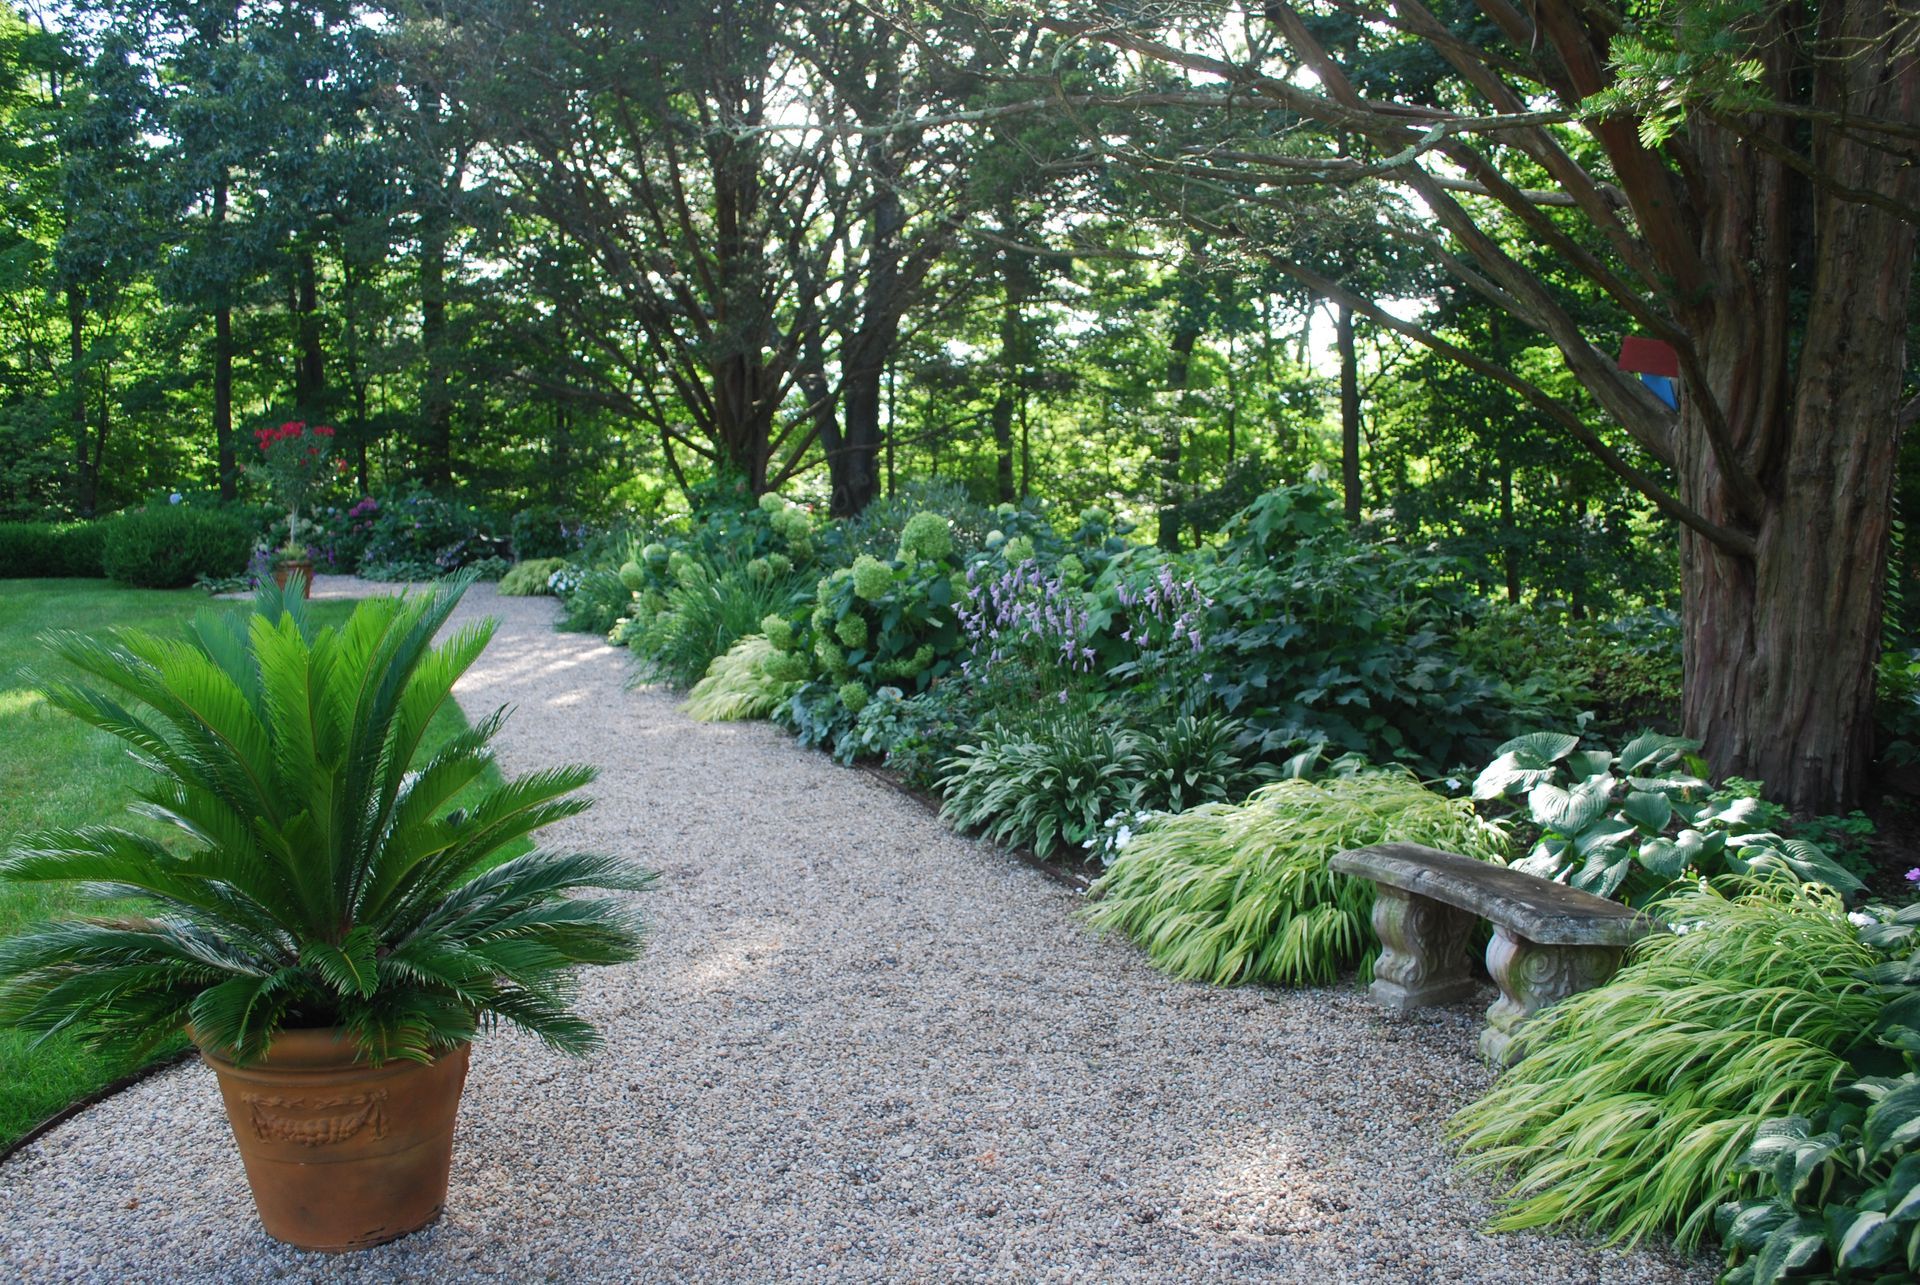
(312, 1048)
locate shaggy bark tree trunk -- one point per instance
(436, 400)
(1349, 410)
(1016, 277)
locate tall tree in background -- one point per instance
(1749, 167)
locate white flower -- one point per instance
(1123, 838)
(1860, 918)
(1681, 930)
(1453, 783)
(174, 498)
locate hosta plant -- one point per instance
(1635, 1101)
(1840, 1194)
(1232, 893)
(1628, 825)
(1042, 785)
(318, 874)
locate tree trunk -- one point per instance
(1781, 650)
(1509, 550)
(86, 474)
(310, 372)
(1016, 276)
(436, 401)
(224, 460)
(1349, 410)
(1179, 371)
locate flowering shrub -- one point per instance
(294, 461)
(1026, 632)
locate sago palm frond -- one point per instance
(319, 874)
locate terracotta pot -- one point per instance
(342, 1155)
(283, 572)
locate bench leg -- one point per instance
(1426, 951)
(1532, 977)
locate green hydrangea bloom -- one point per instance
(771, 504)
(852, 630)
(926, 535)
(632, 575)
(655, 555)
(758, 571)
(996, 538)
(871, 577)
(684, 569)
(1072, 570)
(779, 564)
(907, 667)
(787, 667)
(652, 603)
(828, 653)
(779, 631)
(801, 547)
(854, 696)
(1019, 550)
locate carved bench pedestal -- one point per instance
(1550, 941)
(1532, 977)
(1427, 952)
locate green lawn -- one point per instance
(54, 771)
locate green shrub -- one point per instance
(702, 617)
(529, 579)
(1635, 1101)
(1042, 785)
(53, 549)
(594, 602)
(171, 547)
(1231, 893)
(1629, 825)
(737, 684)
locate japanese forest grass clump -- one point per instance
(1636, 1101)
(738, 685)
(1233, 893)
(530, 578)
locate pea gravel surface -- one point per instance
(859, 1048)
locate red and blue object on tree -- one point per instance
(1657, 364)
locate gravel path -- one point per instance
(859, 1048)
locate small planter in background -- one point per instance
(285, 569)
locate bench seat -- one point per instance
(1549, 941)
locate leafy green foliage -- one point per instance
(52, 549)
(703, 616)
(323, 878)
(737, 684)
(1635, 1101)
(593, 602)
(1233, 893)
(1314, 638)
(1196, 759)
(1629, 825)
(530, 578)
(1840, 1197)
(170, 547)
(1045, 785)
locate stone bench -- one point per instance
(1549, 941)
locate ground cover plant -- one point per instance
(1236, 893)
(1635, 1102)
(61, 773)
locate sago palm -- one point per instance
(320, 876)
